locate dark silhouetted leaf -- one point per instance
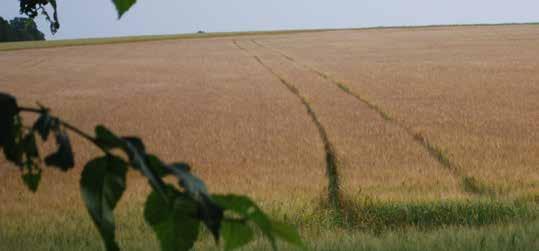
(174, 222)
(209, 211)
(102, 185)
(137, 144)
(236, 234)
(63, 157)
(123, 5)
(8, 110)
(43, 125)
(136, 151)
(31, 172)
(31, 180)
(11, 129)
(32, 8)
(107, 139)
(212, 215)
(157, 165)
(54, 24)
(138, 160)
(14, 145)
(192, 184)
(30, 146)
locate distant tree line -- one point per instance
(19, 29)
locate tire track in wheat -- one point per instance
(334, 191)
(470, 184)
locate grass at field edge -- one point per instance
(449, 225)
(13, 46)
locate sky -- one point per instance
(98, 18)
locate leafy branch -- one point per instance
(33, 8)
(174, 211)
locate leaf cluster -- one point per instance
(175, 211)
(33, 8)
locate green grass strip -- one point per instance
(11, 46)
(379, 216)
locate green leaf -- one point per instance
(249, 210)
(102, 185)
(132, 146)
(136, 151)
(174, 222)
(156, 165)
(137, 158)
(192, 184)
(236, 234)
(63, 157)
(136, 143)
(30, 146)
(31, 172)
(43, 125)
(123, 5)
(31, 180)
(246, 208)
(210, 212)
(287, 233)
(107, 139)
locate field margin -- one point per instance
(28, 45)
(14, 46)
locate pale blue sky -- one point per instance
(97, 18)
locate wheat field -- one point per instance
(442, 120)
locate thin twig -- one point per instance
(65, 125)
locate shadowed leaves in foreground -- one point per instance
(173, 220)
(33, 8)
(246, 210)
(102, 185)
(174, 211)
